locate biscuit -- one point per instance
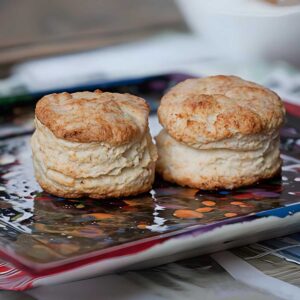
(219, 132)
(214, 109)
(93, 144)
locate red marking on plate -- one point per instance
(243, 196)
(293, 109)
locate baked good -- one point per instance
(219, 132)
(93, 144)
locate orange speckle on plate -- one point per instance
(230, 215)
(208, 203)
(132, 202)
(204, 209)
(66, 249)
(100, 216)
(245, 205)
(40, 227)
(239, 203)
(187, 214)
(142, 226)
(191, 192)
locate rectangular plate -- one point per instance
(46, 239)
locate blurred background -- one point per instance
(51, 45)
(33, 28)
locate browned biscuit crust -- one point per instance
(200, 111)
(86, 117)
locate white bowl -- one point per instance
(246, 29)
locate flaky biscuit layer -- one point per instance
(216, 168)
(96, 169)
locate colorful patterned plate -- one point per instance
(45, 239)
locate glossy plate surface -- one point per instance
(43, 235)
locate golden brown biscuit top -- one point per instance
(97, 116)
(218, 107)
